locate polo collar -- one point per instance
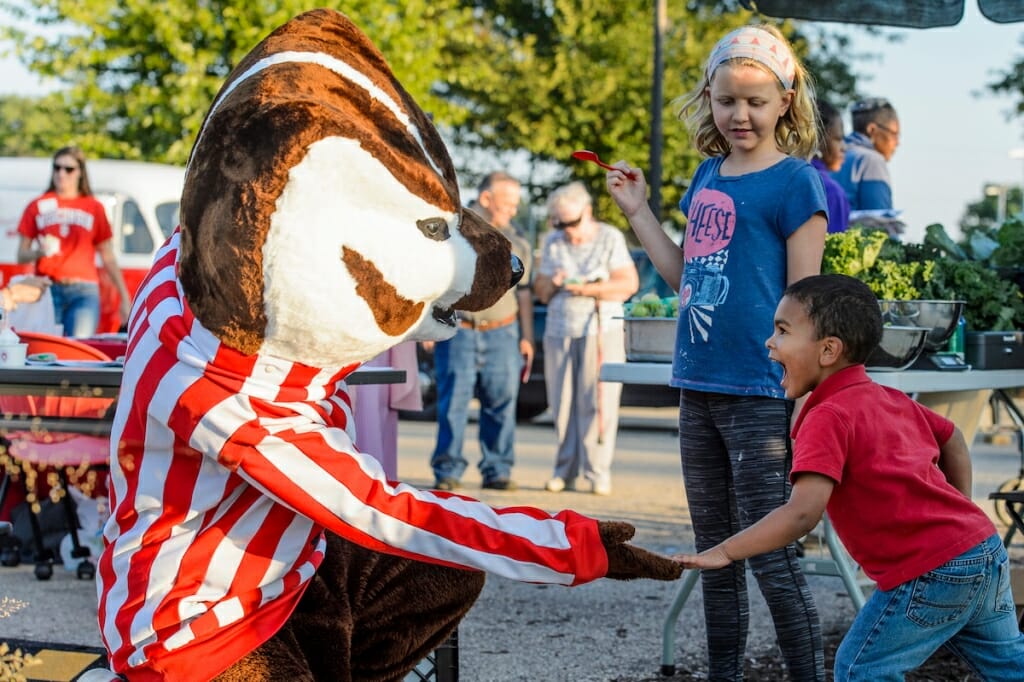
(844, 378)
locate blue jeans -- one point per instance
(485, 364)
(77, 307)
(965, 604)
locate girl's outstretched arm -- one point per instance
(631, 197)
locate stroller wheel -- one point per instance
(86, 570)
(44, 571)
(10, 556)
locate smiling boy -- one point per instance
(895, 479)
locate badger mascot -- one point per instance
(249, 539)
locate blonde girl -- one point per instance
(756, 219)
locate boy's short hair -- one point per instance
(843, 307)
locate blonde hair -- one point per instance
(796, 132)
(574, 194)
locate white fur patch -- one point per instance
(339, 196)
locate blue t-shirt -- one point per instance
(735, 273)
(864, 175)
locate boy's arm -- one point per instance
(789, 522)
(955, 462)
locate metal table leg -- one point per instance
(668, 630)
(846, 571)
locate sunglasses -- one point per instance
(67, 169)
(558, 225)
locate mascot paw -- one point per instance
(628, 562)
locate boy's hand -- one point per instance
(713, 558)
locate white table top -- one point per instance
(908, 381)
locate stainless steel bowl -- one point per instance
(938, 317)
(899, 348)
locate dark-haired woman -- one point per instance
(61, 232)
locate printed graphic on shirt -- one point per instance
(64, 218)
(710, 226)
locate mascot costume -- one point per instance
(249, 539)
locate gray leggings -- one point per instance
(736, 457)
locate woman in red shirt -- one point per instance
(62, 231)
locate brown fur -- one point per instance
(366, 616)
(394, 314)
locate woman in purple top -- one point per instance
(828, 160)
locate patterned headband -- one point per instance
(757, 44)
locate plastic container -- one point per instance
(956, 341)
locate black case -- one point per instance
(994, 350)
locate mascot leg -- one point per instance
(365, 616)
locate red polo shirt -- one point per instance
(892, 506)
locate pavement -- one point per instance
(606, 630)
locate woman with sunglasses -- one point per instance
(585, 274)
(61, 232)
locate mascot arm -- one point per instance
(319, 474)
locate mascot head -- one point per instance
(321, 220)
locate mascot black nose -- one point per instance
(517, 271)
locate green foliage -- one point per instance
(544, 76)
(993, 302)
(1010, 238)
(27, 125)
(139, 77)
(937, 269)
(852, 252)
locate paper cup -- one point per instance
(13, 355)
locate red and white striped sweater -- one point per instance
(227, 470)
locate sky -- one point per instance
(954, 140)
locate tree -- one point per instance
(1011, 83)
(27, 124)
(540, 78)
(569, 74)
(983, 214)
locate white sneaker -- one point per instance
(555, 485)
(601, 488)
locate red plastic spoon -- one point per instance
(587, 155)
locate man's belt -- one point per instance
(486, 325)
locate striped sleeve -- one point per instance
(317, 471)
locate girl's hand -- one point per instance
(630, 195)
(712, 558)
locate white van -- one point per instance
(142, 206)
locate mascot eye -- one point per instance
(434, 228)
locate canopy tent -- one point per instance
(905, 13)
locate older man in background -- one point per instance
(489, 356)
